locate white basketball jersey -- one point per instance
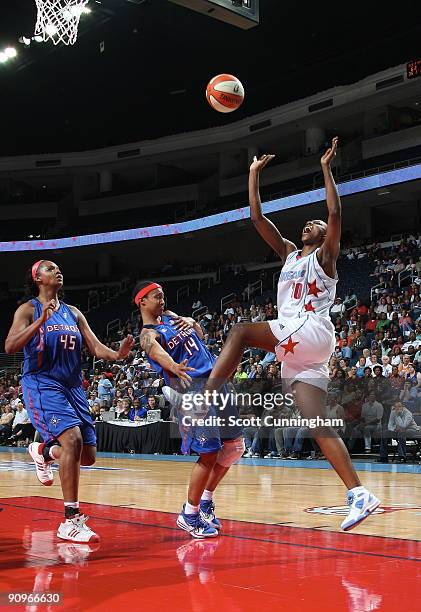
(304, 287)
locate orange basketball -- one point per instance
(225, 93)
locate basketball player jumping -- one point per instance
(303, 335)
(50, 333)
(170, 342)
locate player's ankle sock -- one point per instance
(47, 451)
(207, 495)
(358, 489)
(71, 509)
(189, 509)
(53, 452)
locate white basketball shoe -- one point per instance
(44, 470)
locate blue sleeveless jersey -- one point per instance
(181, 345)
(55, 351)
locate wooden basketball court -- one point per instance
(280, 544)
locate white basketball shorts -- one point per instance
(304, 349)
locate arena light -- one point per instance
(25, 41)
(3, 57)
(37, 38)
(10, 52)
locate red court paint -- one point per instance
(145, 563)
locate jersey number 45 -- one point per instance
(69, 342)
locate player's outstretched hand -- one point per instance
(259, 164)
(180, 370)
(183, 323)
(330, 154)
(125, 347)
(47, 310)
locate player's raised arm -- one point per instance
(151, 346)
(329, 251)
(23, 329)
(264, 226)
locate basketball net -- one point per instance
(58, 20)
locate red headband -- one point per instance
(35, 268)
(145, 291)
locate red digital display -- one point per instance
(413, 69)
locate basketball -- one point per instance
(225, 93)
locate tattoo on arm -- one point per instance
(146, 339)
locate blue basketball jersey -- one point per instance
(55, 351)
(181, 345)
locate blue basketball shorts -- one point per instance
(54, 408)
(209, 439)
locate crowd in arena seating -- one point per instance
(375, 370)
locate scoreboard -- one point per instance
(241, 13)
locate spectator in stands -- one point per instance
(337, 310)
(406, 324)
(105, 387)
(126, 407)
(152, 403)
(130, 394)
(352, 411)
(239, 376)
(137, 413)
(396, 356)
(294, 438)
(96, 411)
(405, 365)
(335, 411)
(371, 416)
(381, 306)
(401, 426)
(412, 341)
(119, 408)
(358, 344)
(395, 379)
(196, 304)
(6, 421)
(250, 431)
(360, 367)
(266, 432)
(21, 427)
(409, 396)
(374, 362)
(412, 376)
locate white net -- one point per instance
(58, 20)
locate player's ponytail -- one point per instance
(31, 289)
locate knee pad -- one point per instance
(230, 452)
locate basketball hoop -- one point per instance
(58, 20)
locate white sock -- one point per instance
(207, 495)
(358, 489)
(51, 452)
(189, 509)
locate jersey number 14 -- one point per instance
(190, 346)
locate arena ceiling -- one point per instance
(157, 57)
